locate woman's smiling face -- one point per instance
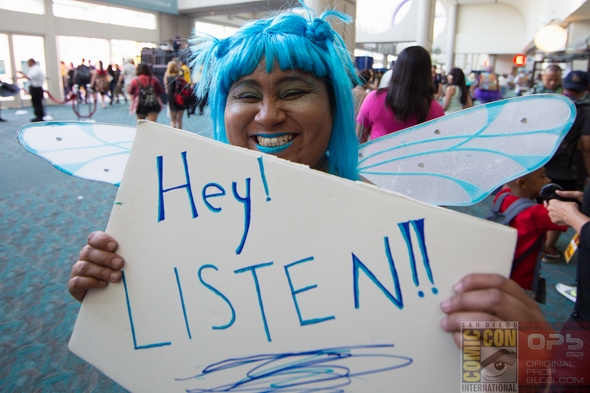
(285, 113)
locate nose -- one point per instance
(270, 112)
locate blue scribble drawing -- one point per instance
(456, 159)
(322, 370)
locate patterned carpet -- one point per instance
(45, 217)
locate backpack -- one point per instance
(488, 81)
(83, 73)
(147, 95)
(102, 84)
(183, 93)
(505, 218)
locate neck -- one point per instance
(519, 192)
(576, 95)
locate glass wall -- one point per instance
(74, 49)
(29, 6)
(122, 50)
(5, 64)
(216, 31)
(27, 47)
(103, 14)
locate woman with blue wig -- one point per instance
(301, 62)
(282, 86)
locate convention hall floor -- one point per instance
(45, 217)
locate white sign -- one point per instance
(245, 272)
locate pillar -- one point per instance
(347, 31)
(52, 68)
(452, 10)
(425, 23)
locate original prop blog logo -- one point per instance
(489, 356)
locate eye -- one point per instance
(496, 365)
(294, 93)
(248, 96)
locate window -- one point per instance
(25, 48)
(29, 6)
(5, 65)
(122, 50)
(216, 31)
(103, 14)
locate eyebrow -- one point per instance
(282, 80)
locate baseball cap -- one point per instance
(576, 80)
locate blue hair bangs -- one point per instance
(288, 41)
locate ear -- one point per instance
(521, 183)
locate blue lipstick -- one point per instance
(274, 149)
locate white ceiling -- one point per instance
(240, 11)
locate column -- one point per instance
(347, 31)
(451, 36)
(54, 83)
(425, 23)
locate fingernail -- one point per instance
(111, 246)
(117, 263)
(114, 276)
(458, 287)
(446, 305)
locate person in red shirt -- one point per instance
(531, 224)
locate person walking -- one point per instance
(146, 91)
(127, 74)
(457, 94)
(36, 79)
(408, 100)
(174, 84)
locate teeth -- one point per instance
(274, 142)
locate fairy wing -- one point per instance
(459, 159)
(91, 151)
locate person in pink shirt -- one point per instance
(408, 100)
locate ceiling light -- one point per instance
(551, 38)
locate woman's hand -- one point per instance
(98, 265)
(560, 212)
(577, 195)
(487, 297)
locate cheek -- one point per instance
(234, 127)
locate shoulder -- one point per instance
(372, 96)
(509, 199)
(436, 110)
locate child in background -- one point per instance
(531, 224)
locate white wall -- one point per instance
(504, 64)
(490, 28)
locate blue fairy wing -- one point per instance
(459, 159)
(91, 151)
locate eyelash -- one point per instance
(292, 93)
(253, 96)
(243, 96)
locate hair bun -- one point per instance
(319, 31)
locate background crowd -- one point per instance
(137, 85)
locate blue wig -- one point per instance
(291, 42)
